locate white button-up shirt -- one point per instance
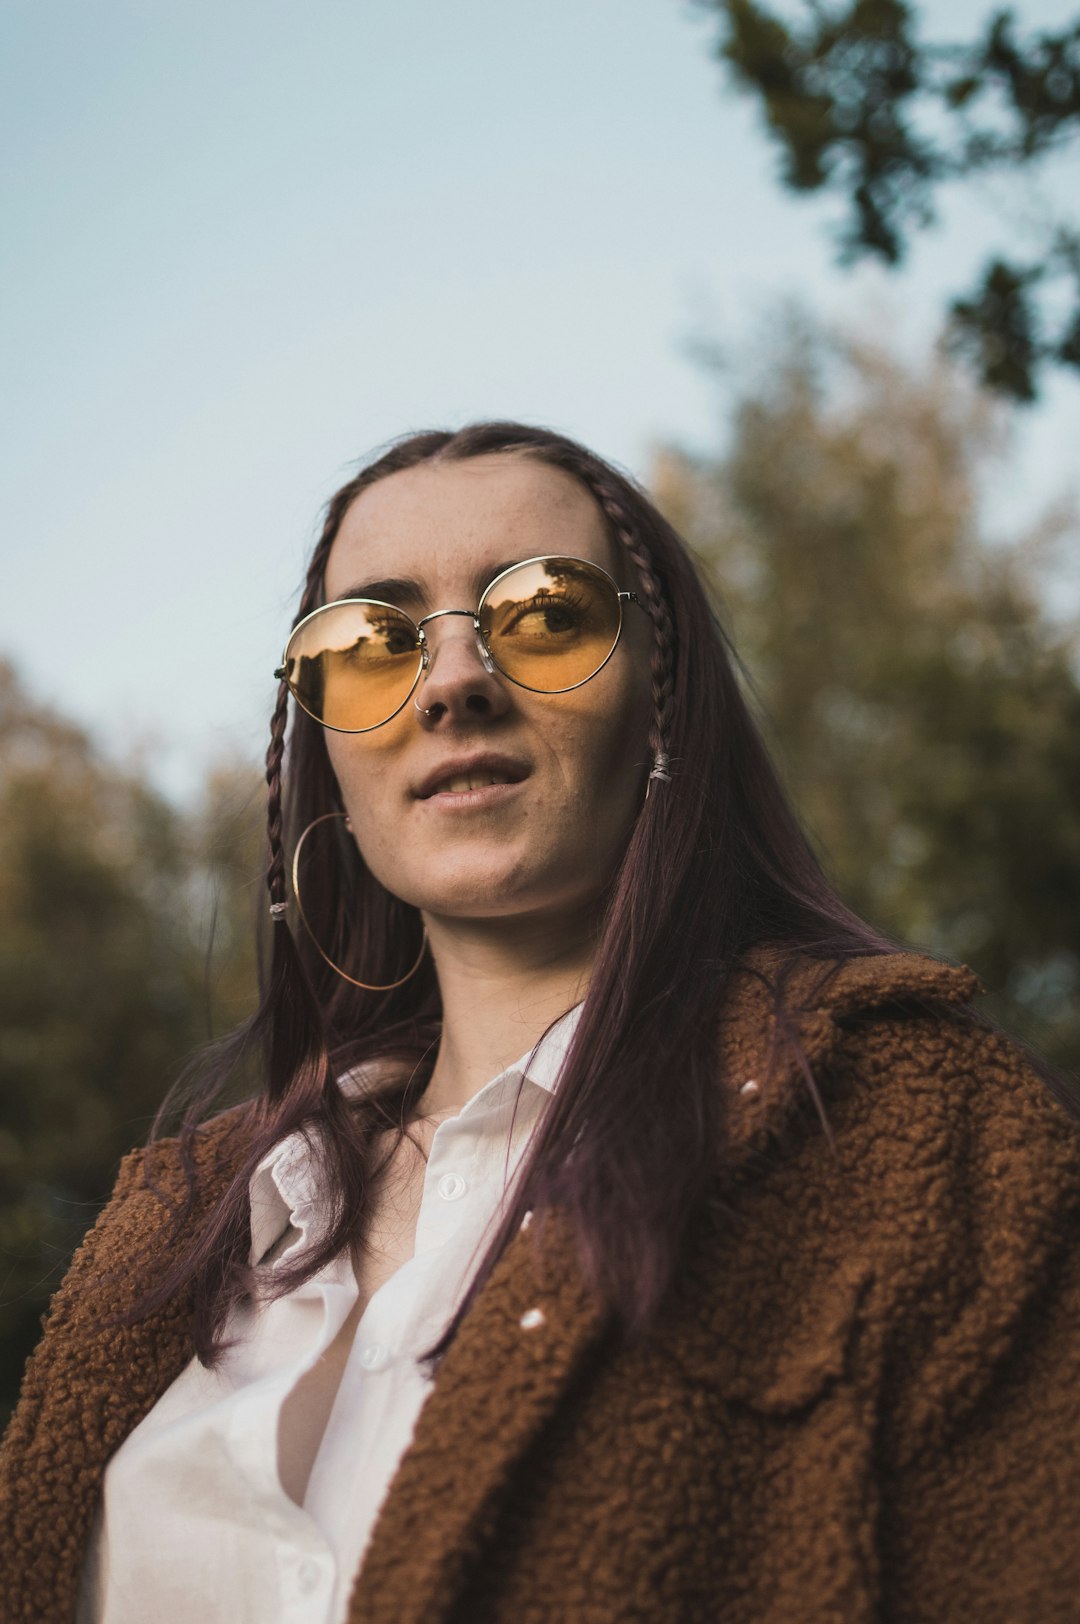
(194, 1521)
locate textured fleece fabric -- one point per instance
(863, 1402)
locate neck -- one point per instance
(502, 983)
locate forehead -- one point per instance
(450, 525)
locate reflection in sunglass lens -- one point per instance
(550, 624)
(352, 664)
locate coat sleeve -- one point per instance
(83, 1268)
(978, 1389)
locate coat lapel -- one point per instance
(769, 1083)
(503, 1377)
(534, 1325)
(91, 1381)
(527, 1335)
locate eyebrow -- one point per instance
(393, 589)
(402, 590)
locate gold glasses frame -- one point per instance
(491, 665)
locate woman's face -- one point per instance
(548, 841)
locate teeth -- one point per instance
(467, 781)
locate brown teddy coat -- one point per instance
(863, 1403)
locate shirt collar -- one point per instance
(283, 1186)
(543, 1063)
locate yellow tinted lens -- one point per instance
(552, 623)
(352, 664)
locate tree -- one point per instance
(860, 104)
(104, 894)
(923, 706)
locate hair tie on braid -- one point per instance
(275, 871)
(662, 658)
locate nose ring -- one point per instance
(422, 709)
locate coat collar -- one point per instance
(534, 1323)
(285, 1185)
(757, 1055)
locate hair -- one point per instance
(716, 864)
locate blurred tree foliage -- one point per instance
(922, 706)
(861, 104)
(106, 894)
(921, 703)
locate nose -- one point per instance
(457, 684)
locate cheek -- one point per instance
(604, 743)
(362, 762)
(627, 712)
(366, 776)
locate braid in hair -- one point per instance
(662, 658)
(275, 871)
(297, 1045)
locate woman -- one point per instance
(622, 1228)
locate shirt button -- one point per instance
(375, 1356)
(451, 1185)
(307, 1576)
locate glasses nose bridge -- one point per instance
(442, 614)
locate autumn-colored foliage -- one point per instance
(921, 700)
(106, 894)
(923, 706)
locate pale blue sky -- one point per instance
(243, 244)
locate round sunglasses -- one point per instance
(546, 624)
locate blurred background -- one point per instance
(811, 272)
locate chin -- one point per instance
(491, 891)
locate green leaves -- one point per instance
(923, 706)
(859, 104)
(106, 894)
(997, 328)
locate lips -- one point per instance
(466, 773)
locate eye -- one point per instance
(548, 615)
(398, 640)
(392, 634)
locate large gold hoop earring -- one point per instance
(366, 985)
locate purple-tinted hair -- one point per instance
(715, 865)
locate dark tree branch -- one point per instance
(860, 106)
